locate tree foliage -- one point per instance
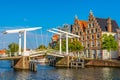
(13, 47)
(109, 43)
(73, 46)
(42, 47)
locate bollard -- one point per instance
(33, 66)
(12, 63)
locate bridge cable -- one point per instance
(42, 37)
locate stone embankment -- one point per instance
(103, 63)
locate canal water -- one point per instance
(51, 73)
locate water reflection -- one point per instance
(51, 73)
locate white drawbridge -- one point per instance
(20, 31)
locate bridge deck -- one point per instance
(10, 58)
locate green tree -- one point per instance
(74, 46)
(42, 47)
(109, 43)
(13, 47)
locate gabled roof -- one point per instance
(2, 51)
(83, 24)
(103, 24)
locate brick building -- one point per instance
(91, 32)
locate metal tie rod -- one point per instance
(58, 33)
(65, 32)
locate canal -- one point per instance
(51, 73)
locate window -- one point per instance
(106, 28)
(87, 37)
(92, 43)
(88, 31)
(119, 35)
(93, 54)
(80, 33)
(99, 53)
(89, 25)
(98, 35)
(92, 25)
(76, 33)
(91, 30)
(83, 37)
(92, 36)
(96, 30)
(98, 43)
(88, 44)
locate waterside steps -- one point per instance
(33, 65)
(77, 63)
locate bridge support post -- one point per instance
(33, 66)
(68, 61)
(22, 63)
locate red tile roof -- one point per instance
(2, 51)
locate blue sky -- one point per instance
(53, 13)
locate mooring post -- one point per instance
(12, 63)
(68, 61)
(35, 67)
(83, 63)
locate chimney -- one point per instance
(109, 25)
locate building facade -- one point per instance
(91, 32)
